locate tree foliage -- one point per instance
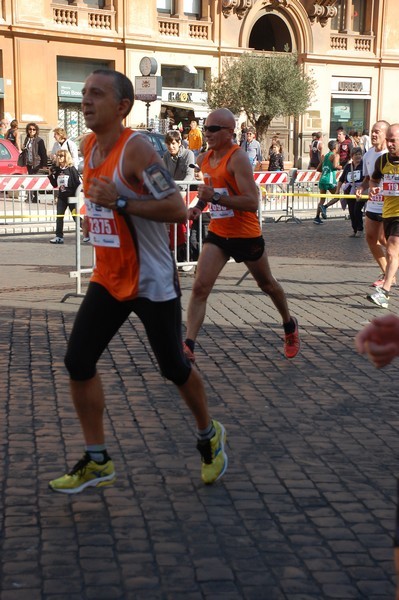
(264, 86)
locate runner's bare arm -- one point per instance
(139, 155)
(240, 167)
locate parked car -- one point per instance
(9, 159)
(156, 139)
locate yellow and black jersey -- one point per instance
(386, 171)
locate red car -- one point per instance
(9, 159)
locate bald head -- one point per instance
(393, 139)
(378, 134)
(221, 116)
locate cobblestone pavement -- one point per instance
(306, 508)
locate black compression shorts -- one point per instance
(241, 249)
(99, 318)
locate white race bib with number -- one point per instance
(102, 225)
(390, 184)
(217, 211)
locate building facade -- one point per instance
(351, 48)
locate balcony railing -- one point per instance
(351, 42)
(198, 30)
(84, 18)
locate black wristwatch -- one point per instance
(216, 198)
(120, 205)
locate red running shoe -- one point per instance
(190, 355)
(381, 280)
(292, 342)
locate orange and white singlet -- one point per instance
(133, 259)
(226, 222)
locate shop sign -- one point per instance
(70, 91)
(196, 96)
(148, 89)
(351, 85)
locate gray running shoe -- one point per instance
(379, 298)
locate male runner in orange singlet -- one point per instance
(134, 272)
(234, 230)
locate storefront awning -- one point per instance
(199, 109)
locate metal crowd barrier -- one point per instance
(284, 194)
(26, 202)
(281, 196)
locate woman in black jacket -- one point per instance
(36, 153)
(66, 178)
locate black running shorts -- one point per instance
(391, 226)
(374, 216)
(240, 249)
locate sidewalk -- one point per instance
(306, 508)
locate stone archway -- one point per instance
(270, 33)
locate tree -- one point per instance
(264, 86)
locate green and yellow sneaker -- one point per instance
(214, 459)
(86, 473)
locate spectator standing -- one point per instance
(252, 148)
(36, 154)
(276, 158)
(66, 178)
(243, 134)
(177, 160)
(355, 138)
(344, 146)
(194, 138)
(315, 150)
(13, 135)
(365, 140)
(184, 141)
(63, 143)
(375, 235)
(4, 127)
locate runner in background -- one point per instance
(375, 235)
(315, 150)
(234, 230)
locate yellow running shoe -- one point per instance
(86, 473)
(214, 458)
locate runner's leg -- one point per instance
(211, 261)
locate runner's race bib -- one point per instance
(102, 225)
(217, 211)
(390, 184)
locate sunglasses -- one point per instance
(31, 129)
(214, 128)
